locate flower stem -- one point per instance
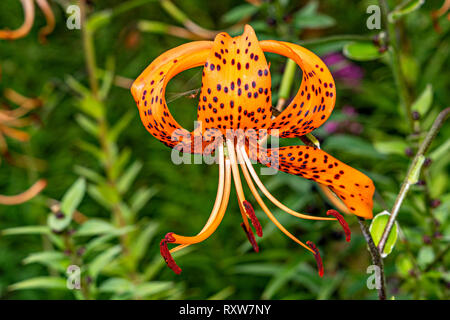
(396, 66)
(413, 172)
(376, 258)
(286, 83)
(335, 38)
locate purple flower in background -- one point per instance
(343, 70)
(348, 125)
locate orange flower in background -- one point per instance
(235, 113)
(24, 29)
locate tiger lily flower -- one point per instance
(236, 95)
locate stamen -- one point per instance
(255, 222)
(237, 181)
(270, 196)
(341, 220)
(212, 225)
(165, 253)
(250, 237)
(317, 256)
(263, 205)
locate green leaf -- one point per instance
(95, 227)
(128, 177)
(69, 203)
(87, 124)
(352, 145)
(404, 9)
(377, 228)
(102, 241)
(104, 194)
(141, 197)
(238, 13)
(26, 230)
(317, 21)
(40, 283)
(53, 259)
(120, 163)
(91, 106)
(89, 174)
(92, 149)
(309, 9)
(404, 265)
(121, 125)
(44, 256)
(151, 288)
(425, 256)
(140, 245)
(361, 51)
(99, 19)
(102, 260)
(117, 286)
(308, 17)
(392, 146)
(279, 280)
(424, 101)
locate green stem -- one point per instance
(286, 83)
(396, 66)
(173, 11)
(89, 52)
(376, 258)
(335, 38)
(412, 174)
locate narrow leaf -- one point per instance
(377, 228)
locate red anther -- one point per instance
(165, 253)
(255, 222)
(250, 237)
(343, 223)
(317, 256)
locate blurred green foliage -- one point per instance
(102, 165)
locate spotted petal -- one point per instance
(149, 92)
(315, 98)
(354, 188)
(236, 85)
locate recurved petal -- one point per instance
(149, 92)
(316, 97)
(354, 188)
(236, 84)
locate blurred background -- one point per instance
(112, 192)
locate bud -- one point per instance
(271, 22)
(420, 183)
(409, 152)
(59, 215)
(415, 115)
(382, 49)
(81, 251)
(427, 162)
(426, 239)
(435, 203)
(437, 235)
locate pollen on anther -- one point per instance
(317, 257)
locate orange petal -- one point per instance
(24, 29)
(353, 187)
(316, 97)
(236, 84)
(149, 89)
